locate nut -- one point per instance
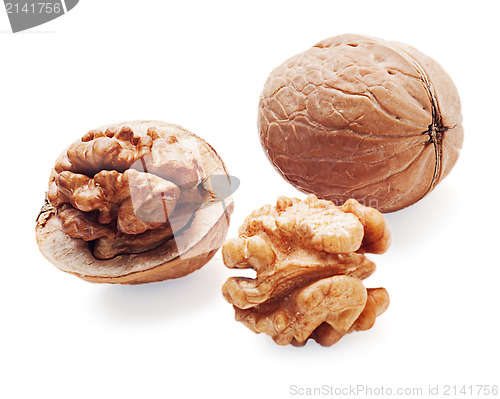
(134, 203)
(360, 117)
(309, 259)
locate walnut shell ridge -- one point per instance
(364, 118)
(101, 220)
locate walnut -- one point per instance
(133, 203)
(310, 263)
(360, 117)
(110, 149)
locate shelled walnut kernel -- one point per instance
(310, 263)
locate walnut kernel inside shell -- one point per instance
(132, 189)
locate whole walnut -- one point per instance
(135, 202)
(360, 117)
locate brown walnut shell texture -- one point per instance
(360, 117)
(309, 259)
(134, 203)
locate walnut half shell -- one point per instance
(135, 202)
(310, 262)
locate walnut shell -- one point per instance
(360, 117)
(134, 203)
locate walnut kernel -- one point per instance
(310, 263)
(132, 203)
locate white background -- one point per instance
(202, 65)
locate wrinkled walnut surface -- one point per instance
(126, 192)
(134, 192)
(309, 259)
(360, 117)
